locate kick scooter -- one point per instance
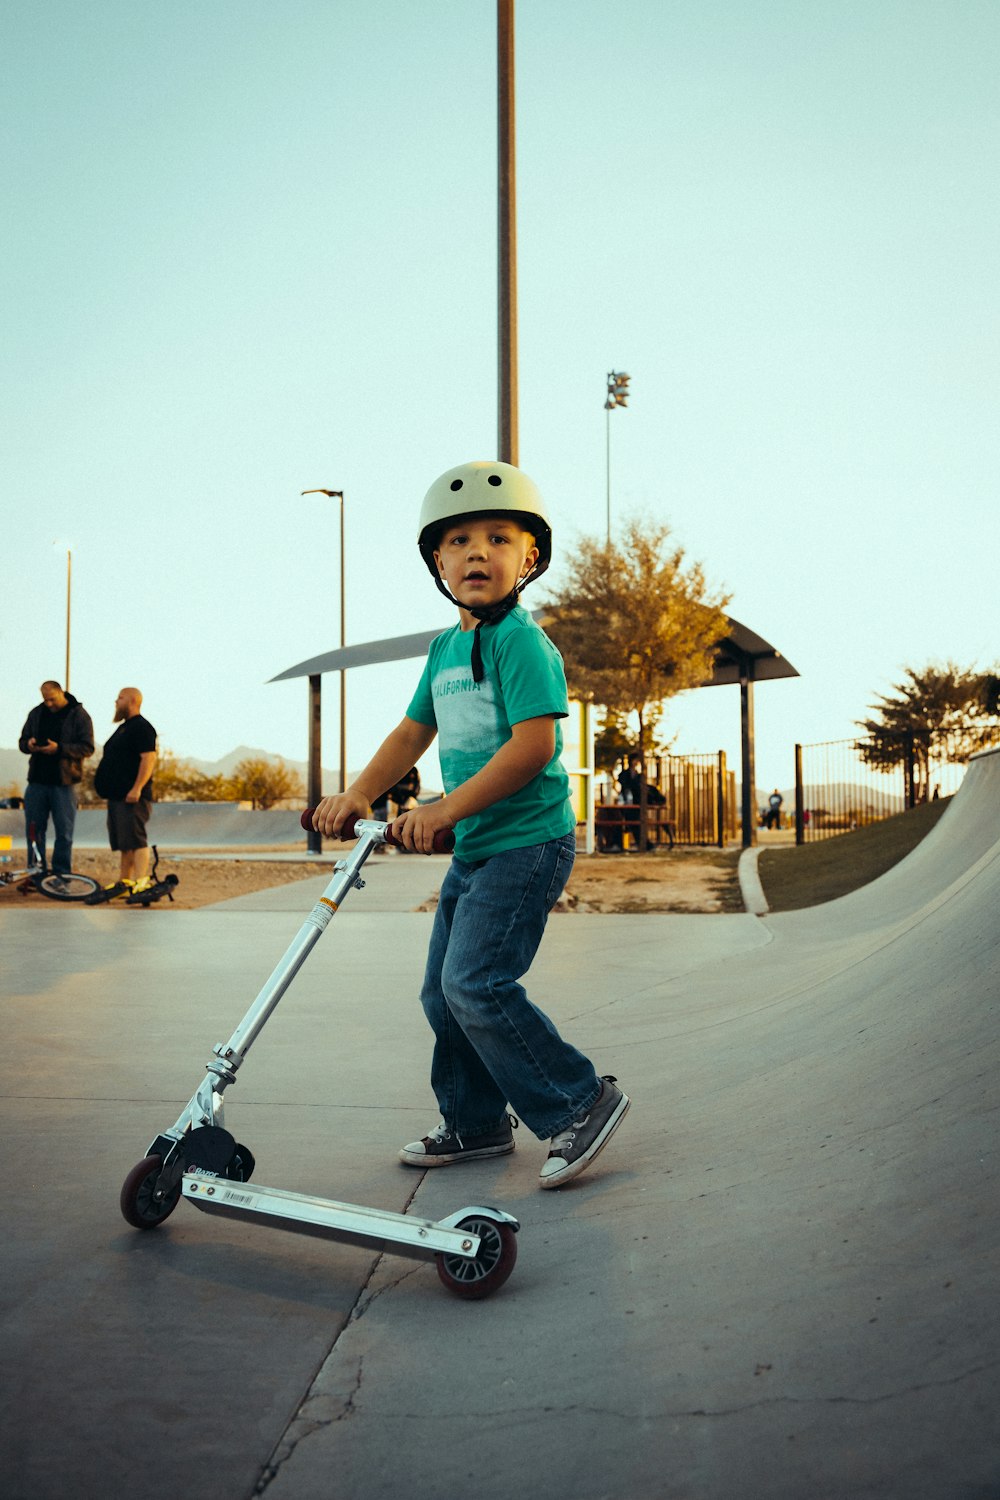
(197, 1158)
(156, 889)
(145, 897)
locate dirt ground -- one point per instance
(677, 880)
(200, 881)
(681, 880)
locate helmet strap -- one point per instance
(488, 615)
(491, 616)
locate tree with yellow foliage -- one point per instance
(635, 624)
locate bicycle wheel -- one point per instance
(67, 887)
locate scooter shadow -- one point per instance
(313, 1273)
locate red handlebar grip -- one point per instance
(444, 839)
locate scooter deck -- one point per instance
(325, 1218)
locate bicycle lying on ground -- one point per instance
(35, 877)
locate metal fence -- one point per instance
(847, 784)
(699, 803)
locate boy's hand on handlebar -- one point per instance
(333, 812)
(416, 829)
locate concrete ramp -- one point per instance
(779, 1281)
(184, 825)
(968, 832)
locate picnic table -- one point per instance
(616, 822)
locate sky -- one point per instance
(251, 250)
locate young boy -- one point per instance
(493, 690)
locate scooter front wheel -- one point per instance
(490, 1267)
(139, 1203)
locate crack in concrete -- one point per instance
(527, 1416)
(327, 1401)
(324, 1405)
(368, 1297)
(910, 1390)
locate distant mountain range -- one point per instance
(855, 795)
(228, 764)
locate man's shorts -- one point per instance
(127, 825)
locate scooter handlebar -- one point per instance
(444, 839)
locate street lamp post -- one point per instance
(617, 395)
(69, 592)
(315, 771)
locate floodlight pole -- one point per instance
(617, 395)
(507, 435)
(607, 409)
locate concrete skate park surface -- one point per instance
(183, 825)
(779, 1280)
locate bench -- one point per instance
(616, 822)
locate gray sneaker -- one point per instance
(572, 1150)
(443, 1146)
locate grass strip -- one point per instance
(809, 874)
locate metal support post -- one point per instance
(749, 789)
(721, 800)
(314, 840)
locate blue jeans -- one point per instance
(492, 1045)
(60, 801)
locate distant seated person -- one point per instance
(631, 781)
(403, 796)
(625, 818)
(406, 791)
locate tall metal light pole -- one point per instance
(618, 394)
(507, 437)
(315, 842)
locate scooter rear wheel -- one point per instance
(491, 1266)
(139, 1205)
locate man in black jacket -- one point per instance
(57, 736)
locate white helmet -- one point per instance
(484, 489)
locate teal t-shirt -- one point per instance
(523, 678)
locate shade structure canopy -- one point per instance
(742, 649)
(741, 657)
(739, 650)
(396, 648)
